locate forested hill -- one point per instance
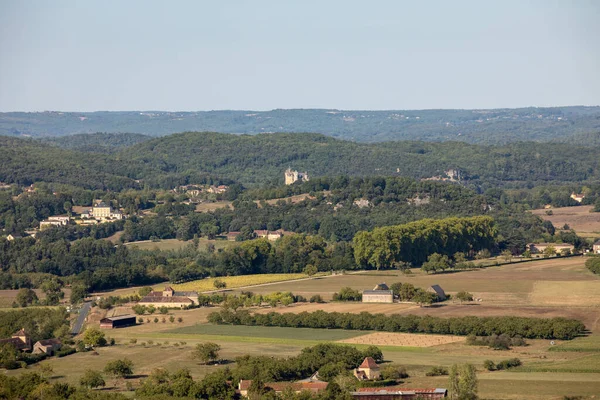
(97, 142)
(499, 126)
(256, 159)
(263, 158)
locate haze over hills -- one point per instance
(499, 126)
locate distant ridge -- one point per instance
(498, 126)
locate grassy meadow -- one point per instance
(549, 371)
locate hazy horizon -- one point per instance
(266, 55)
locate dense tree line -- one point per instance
(39, 323)
(415, 241)
(593, 264)
(531, 328)
(96, 263)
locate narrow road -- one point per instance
(85, 309)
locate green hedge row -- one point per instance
(532, 328)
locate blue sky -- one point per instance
(259, 55)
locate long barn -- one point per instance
(118, 321)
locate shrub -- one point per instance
(316, 299)
(507, 364)
(65, 351)
(489, 365)
(394, 371)
(437, 371)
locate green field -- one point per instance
(584, 344)
(269, 332)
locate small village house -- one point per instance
(399, 393)
(381, 293)
(20, 340)
(438, 291)
(119, 321)
(47, 346)
(596, 247)
(368, 370)
(170, 298)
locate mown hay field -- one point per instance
(403, 339)
(204, 285)
(579, 218)
(568, 293)
(269, 332)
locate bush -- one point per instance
(489, 365)
(65, 351)
(437, 371)
(394, 371)
(316, 299)
(347, 294)
(507, 364)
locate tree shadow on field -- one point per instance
(137, 376)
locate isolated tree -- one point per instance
(94, 337)
(206, 352)
(464, 296)
(143, 292)
(549, 251)
(436, 262)
(311, 270)
(53, 292)
(92, 379)
(219, 284)
(462, 382)
(422, 298)
(26, 297)
(507, 255)
(119, 368)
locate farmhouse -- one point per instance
(398, 393)
(271, 235)
(596, 247)
(536, 248)
(438, 291)
(380, 294)
(48, 346)
(170, 298)
(20, 340)
(279, 387)
(368, 370)
(118, 321)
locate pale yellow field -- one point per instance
(403, 339)
(567, 293)
(204, 285)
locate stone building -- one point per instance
(293, 176)
(368, 370)
(381, 293)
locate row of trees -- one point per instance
(415, 241)
(532, 328)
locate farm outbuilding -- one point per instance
(118, 321)
(381, 293)
(438, 291)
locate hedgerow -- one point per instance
(531, 328)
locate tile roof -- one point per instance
(49, 342)
(370, 363)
